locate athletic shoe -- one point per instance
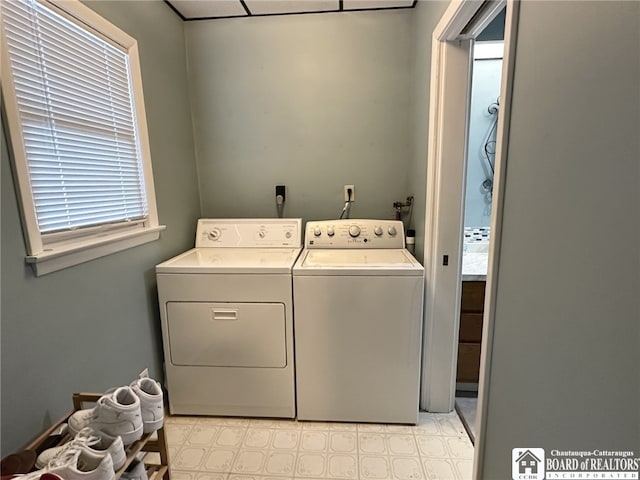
(50, 476)
(77, 464)
(92, 440)
(136, 471)
(21, 462)
(116, 414)
(151, 403)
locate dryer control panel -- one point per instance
(354, 233)
(249, 232)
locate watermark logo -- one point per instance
(527, 464)
(533, 464)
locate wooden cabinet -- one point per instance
(150, 442)
(471, 313)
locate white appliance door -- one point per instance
(357, 262)
(227, 334)
(360, 258)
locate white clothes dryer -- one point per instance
(358, 321)
(227, 319)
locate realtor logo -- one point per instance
(527, 463)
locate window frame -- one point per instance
(51, 252)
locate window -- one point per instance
(74, 105)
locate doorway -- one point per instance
(451, 67)
(483, 114)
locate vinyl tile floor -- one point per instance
(211, 448)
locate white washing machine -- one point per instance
(227, 319)
(358, 304)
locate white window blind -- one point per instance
(74, 99)
(72, 93)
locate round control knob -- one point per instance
(392, 230)
(261, 233)
(287, 235)
(377, 231)
(317, 231)
(354, 230)
(214, 234)
(330, 231)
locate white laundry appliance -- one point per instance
(358, 305)
(227, 319)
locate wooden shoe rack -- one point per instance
(150, 442)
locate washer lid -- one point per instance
(358, 262)
(232, 260)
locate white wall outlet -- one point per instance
(349, 193)
(144, 373)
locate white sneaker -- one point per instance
(136, 471)
(92, 440)
(151, 403)
(77, 464)
(116, 414)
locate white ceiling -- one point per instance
(200, 9)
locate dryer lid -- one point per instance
(232, 260)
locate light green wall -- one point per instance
(427, 15)
(310, 101)
(564, 367)
(95, 325)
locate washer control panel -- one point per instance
(353, 233)
(249, 232)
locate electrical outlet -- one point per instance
(144, 373)
(349, 193)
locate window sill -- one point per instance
(61, 256)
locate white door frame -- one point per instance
(444, 223)
(449, 99)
